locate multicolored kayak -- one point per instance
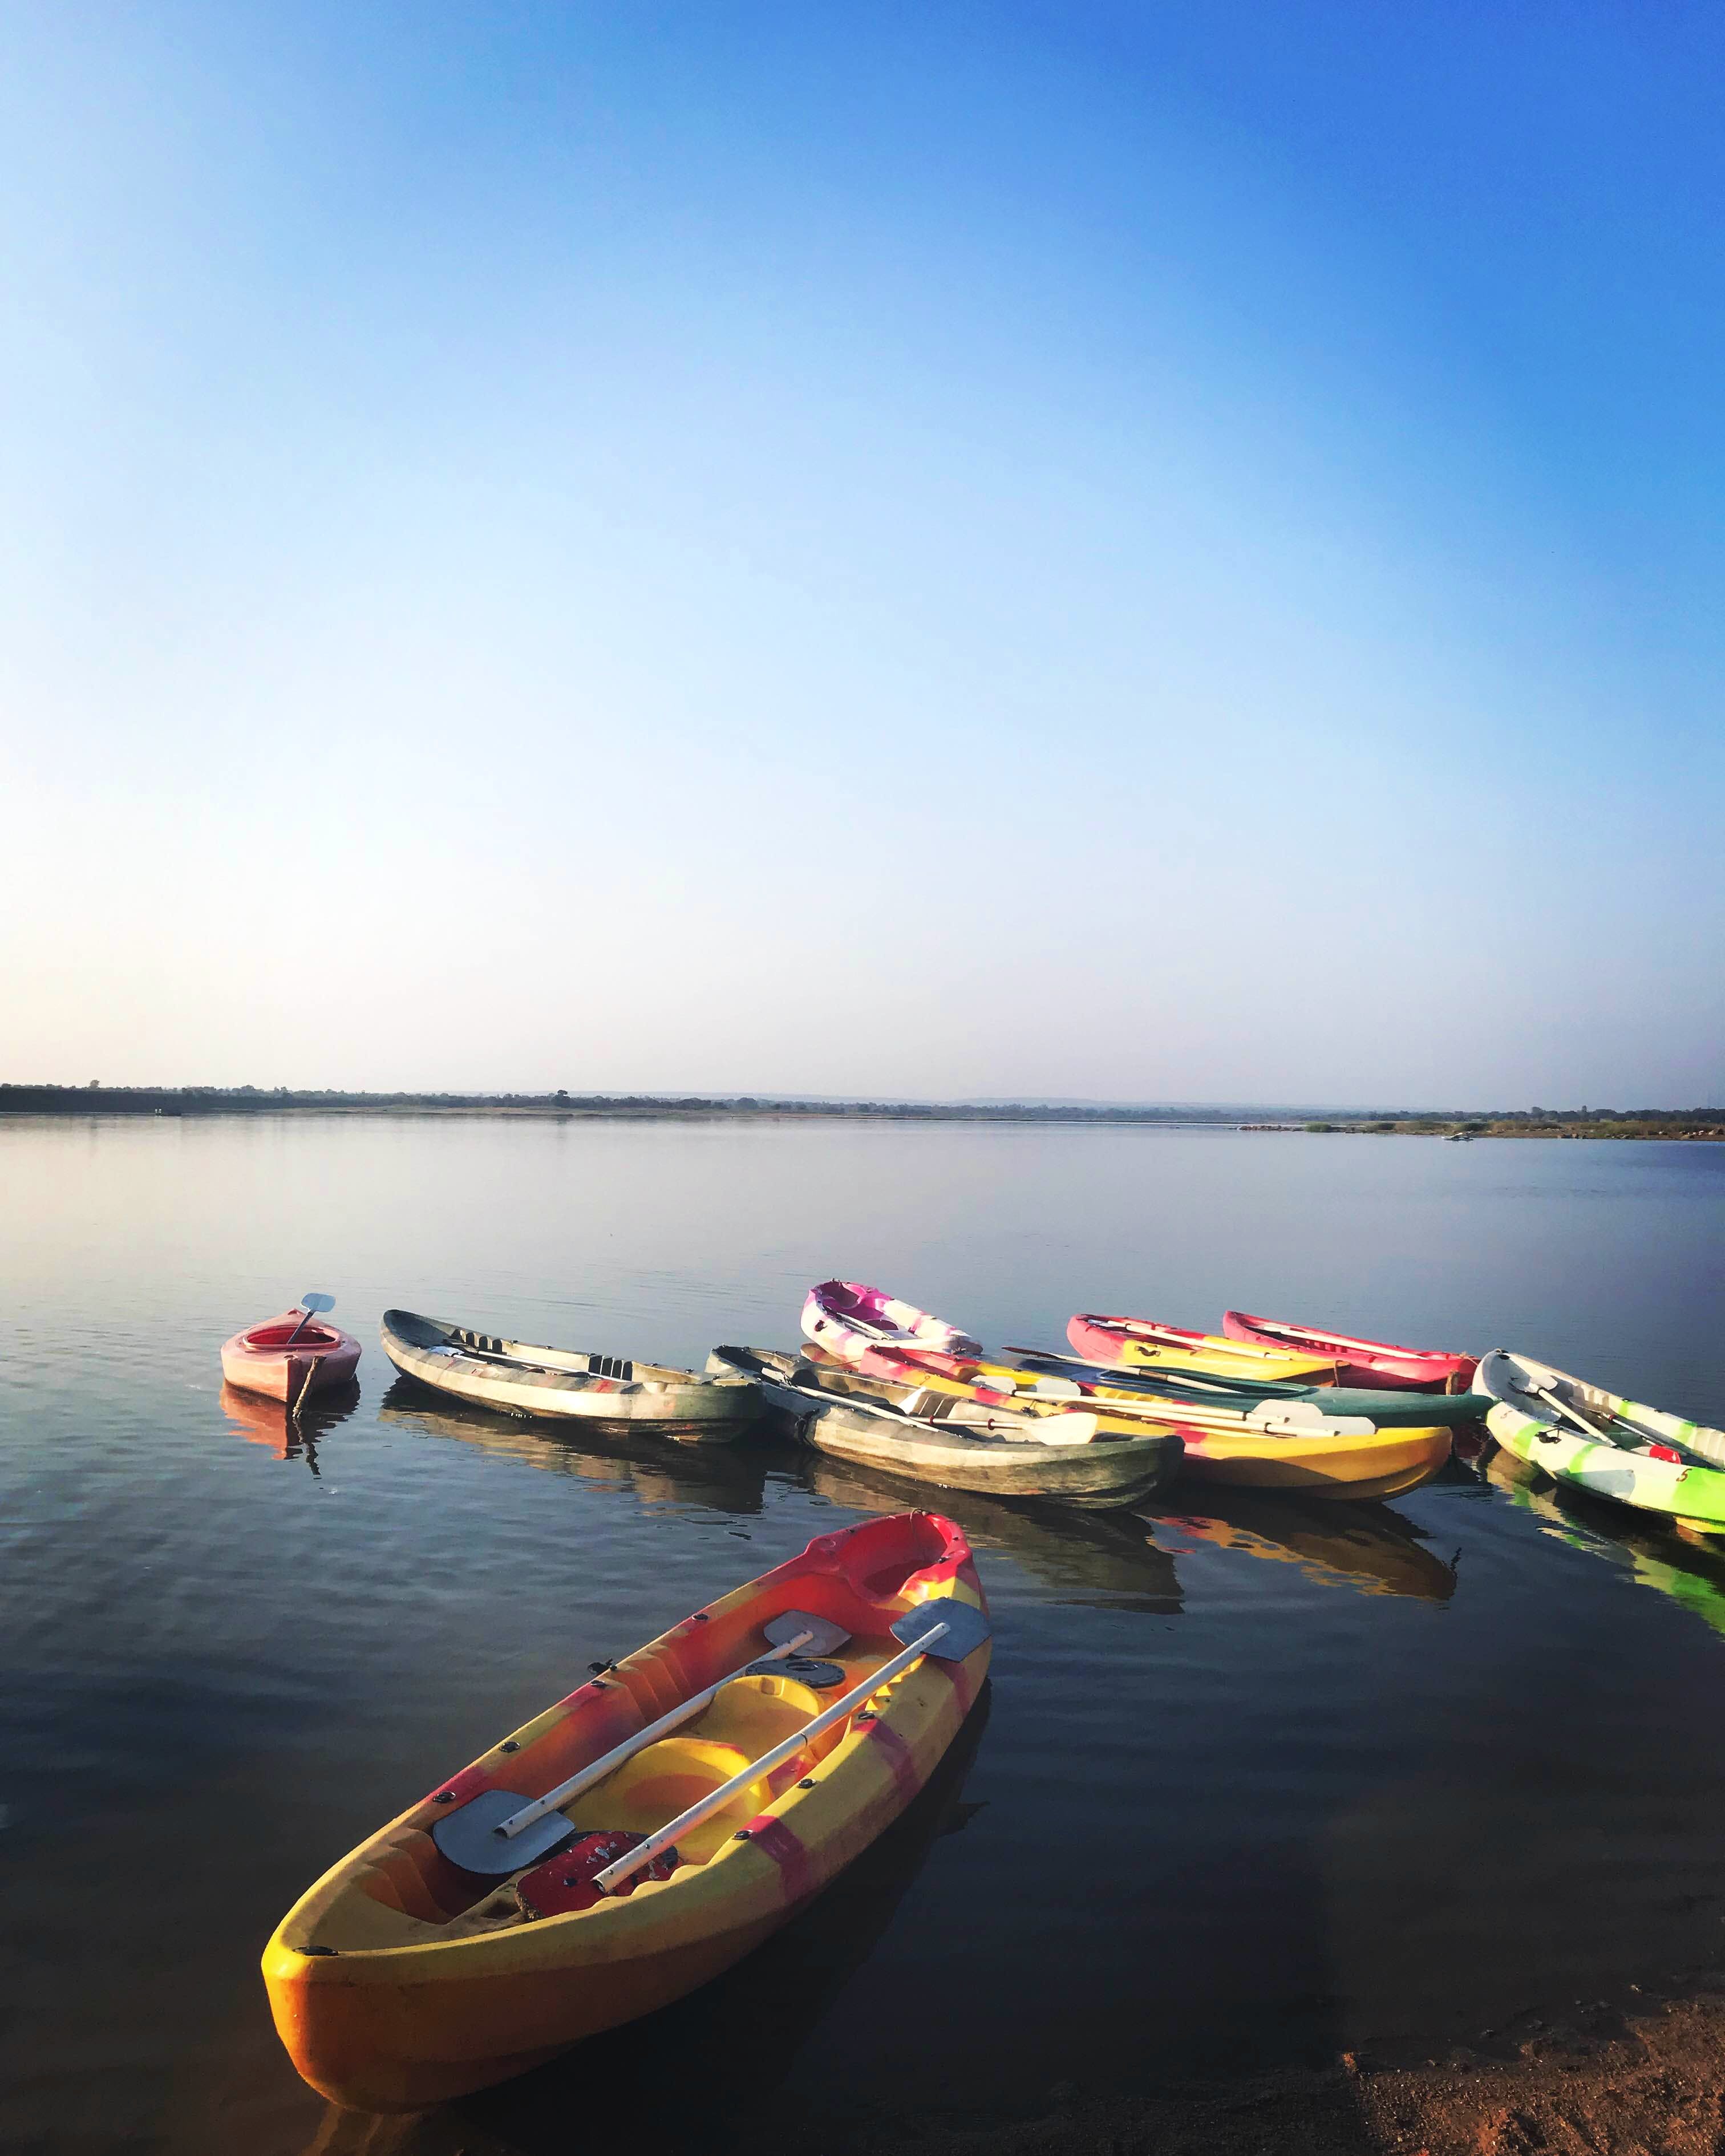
(1596, 1441)
(1144, 1343)
(534, 1899)
(1308, 1443)
(1358, 1362)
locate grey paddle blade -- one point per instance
(824, 1638)
(310, 1304)
(966, 1628)
(471, 1837)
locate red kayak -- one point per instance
(1358, 1362)
(292, 1356)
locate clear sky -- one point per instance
(1159, 551)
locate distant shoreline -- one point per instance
(1701, 1123)
(205, 1101)
(201, 1101)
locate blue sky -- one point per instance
(1131, 551)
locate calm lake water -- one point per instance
(1248, 1788)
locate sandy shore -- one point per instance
(1596, 2080)
(1647, 2083)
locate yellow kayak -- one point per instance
(426, 1964)
(1377, 1463)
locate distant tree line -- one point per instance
(251, 1100)
(95, 1098)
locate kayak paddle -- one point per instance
(961, 1629)
(500, 1832)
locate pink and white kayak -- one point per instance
(1358, 1362)
(875, 1331)
(290, 1358)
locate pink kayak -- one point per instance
(1358, 1362)
(874, 1331)
(288, 1358)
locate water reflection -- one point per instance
(658, 1471)
(1367, 1548)
(1100, 1559)
(1691, 1572)
(708, 2072)
(288, 1436)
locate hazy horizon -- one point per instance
(1098, 553)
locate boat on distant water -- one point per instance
(942, 1431)
(1358, 1362)
(292, 1358)
(1597, 1442)
(1145, 1343)
(513, 1378)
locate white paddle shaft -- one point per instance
(1574, 1414)
(596, 1772)
(715, 1800)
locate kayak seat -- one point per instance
(667, 1779)
(755, 1713)
(750, 1716)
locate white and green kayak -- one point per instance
(1610, 1447)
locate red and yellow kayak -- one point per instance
(1143, 1343)
(401, 1979)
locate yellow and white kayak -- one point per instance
(409, 1975)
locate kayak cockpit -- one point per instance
(306, 1338)
(401, 1890)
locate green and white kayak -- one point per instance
(1594, 1440)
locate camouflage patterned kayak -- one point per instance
(558, 1384)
